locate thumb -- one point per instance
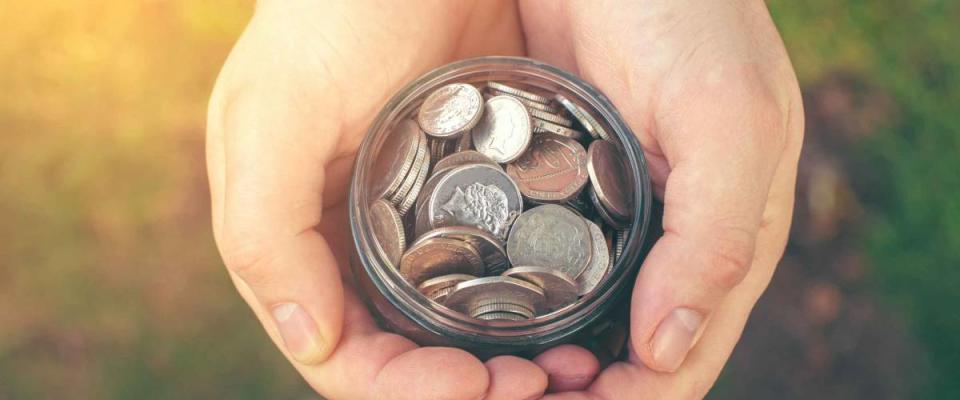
(722, 152)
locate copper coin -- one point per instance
(559, 288)
(437, 257)
(609, 175)
(553, 170)
(491, 249)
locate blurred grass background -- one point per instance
(110, 285)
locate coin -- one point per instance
(502, 315)
(412, 173)
(490, 248)
(552, 170)
(541, 126)
(558, 288)
(518, 92)
(422, 221)
(550, 236)
(530, 104)
(438, 288)
(491, 311)
(504, 131)
(621, 242)
(388, 229)
(602, 211)
(610, 184)
(462, 158)
(411, 196)
(599, 261)
(450, 110)
(471, 295)
(475, 195)
(437, 257)
(464, 143)
(551, 117)
(396, 156)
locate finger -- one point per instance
(546, 28)
(713, 205)
(514, 378)
(273, 177)
(371, 364)
(568, 367)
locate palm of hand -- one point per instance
(291, 107)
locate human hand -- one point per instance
(289, 110)
(305, 80)
(709, 90)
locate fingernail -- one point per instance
(299, 332)
(674, 337)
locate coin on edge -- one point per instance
(437, 257)
(463, 158)
(552, 170)
(450, 110)
(607, 171)
(542, 126)
(559, 288)
(551, 236)
(438, 288)
(412, 172)
(388, 229)
(470, 295)
(411, 196)
(504, 132)
(476, 195)
(599, 261)
(395, 158)
(518, 92)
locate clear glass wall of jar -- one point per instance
(401, 308)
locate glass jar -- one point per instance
(400, 308)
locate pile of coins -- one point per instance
(518, 200)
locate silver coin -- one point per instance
(438, 257)
(541, 126)
(608, 174)
(412, 195)
(412, 173)
(530, 104)
(599, 261)
(450, 110)
(438, 288)
(504, 131)
(550, 117)
(552, 170)
(463, 158)
(473, 294)
(586, 119)
(490, 248)
(395, 158)
(388, 229)
(615, 223)
(475, 195)
(502, 316)
(551, 236)
(559, 288)
(621, 242)
(518, 92)
(508, 308)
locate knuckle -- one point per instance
(729, 258)
(248, 257)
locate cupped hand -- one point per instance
(706, 86)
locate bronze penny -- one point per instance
(553, 170)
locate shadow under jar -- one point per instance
(398, 305)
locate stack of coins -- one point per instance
(517, 200)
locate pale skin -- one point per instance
(706, 86)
